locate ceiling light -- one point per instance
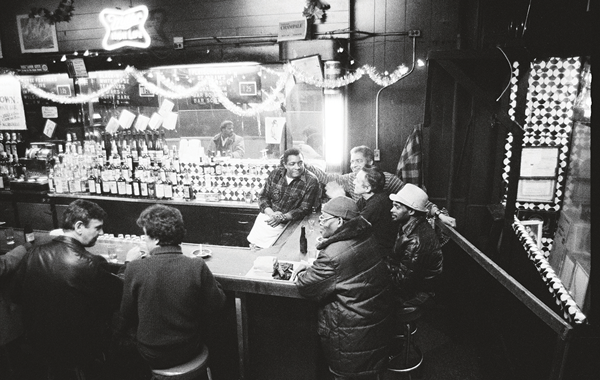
(87, 52)
(420, 63)
(109, 59)
(75, 52)
(64, 58)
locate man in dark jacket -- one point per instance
(350, 281)
(167, 296)
(68, 294)
(417, 257)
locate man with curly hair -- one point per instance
(167, 296)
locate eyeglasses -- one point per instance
(322, 220)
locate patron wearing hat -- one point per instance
(417, 256)
(350, 281)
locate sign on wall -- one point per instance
(125, 28)
(12, 115)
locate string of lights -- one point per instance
(272, 102)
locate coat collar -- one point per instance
(353, 228)
(409, 227)
(161, 250)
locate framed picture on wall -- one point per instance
(534, 228)
(36, 35)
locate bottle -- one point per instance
(303, 242)
(29, 235)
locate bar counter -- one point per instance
(262, 307)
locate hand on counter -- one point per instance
(298, 267)
(134, 254)
(276, 218)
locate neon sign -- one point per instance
(125, 28)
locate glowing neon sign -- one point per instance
(125, 28)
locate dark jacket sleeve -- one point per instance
(212, 292)
(319, 280)
(128, 311)
(10, 260)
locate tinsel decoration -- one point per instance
(63, 13)
(315, 9)
(275, 100)
(555, 286)
(62, 99)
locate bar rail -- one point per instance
(562, 328)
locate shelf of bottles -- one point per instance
(10, 144)
(141, 164)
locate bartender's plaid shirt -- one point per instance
(297, 198)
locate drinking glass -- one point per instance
(9, 233)
(112, 253)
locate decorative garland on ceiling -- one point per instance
(63, 13)
(273, 100)
(315, 9)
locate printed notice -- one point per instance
(170, 122)
(49, 128)
(141, 122)
(49, 112)
(166, 107)
(126, 119)
(155, 121)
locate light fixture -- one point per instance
(75, 53)
(420, 63)
(87, 52)
(109, 59)
(64, 58)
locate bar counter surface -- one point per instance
(230, 265)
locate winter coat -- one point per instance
(350, 280)
(417, 259)
(67, 296)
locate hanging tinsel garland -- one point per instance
(272, 102)
(62, 99)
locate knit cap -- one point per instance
(343, 207)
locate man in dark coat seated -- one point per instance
(68, 295)
(350, 281)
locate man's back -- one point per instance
(67, 295)
(351, 281)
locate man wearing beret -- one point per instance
(350, 281)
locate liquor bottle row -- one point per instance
(10, 143)
(163, 177)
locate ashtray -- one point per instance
(206, 252)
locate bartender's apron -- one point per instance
(263, 235)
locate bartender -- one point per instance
(289, 194)
(227, 143)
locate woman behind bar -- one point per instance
(167, 295)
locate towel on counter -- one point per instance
(262, 235)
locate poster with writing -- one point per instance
(12, 115)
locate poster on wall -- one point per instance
(273, 129)
(36, 35)
(12, 114)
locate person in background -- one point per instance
(11, 328)
(167, 296)
(68, 295)
(350, 281)
(343, 184)
(289, 194)
(417, 257)
(374, 204)
(227, 143)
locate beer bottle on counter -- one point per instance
(303, 243)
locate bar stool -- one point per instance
(192, 370)
(409, 357)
